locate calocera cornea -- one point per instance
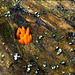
(23, 36)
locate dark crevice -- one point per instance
(70, 23)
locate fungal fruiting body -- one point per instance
(23, 36)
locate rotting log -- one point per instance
(52, 25)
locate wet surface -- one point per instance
(51, 23)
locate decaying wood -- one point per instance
(52, 25)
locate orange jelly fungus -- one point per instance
(23, 36)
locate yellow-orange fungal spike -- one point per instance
(25, 36)
(23, 29)
(30, 38)
(27, 31)
(18, 32)
(21, 41)
(21, 36)
(19, 29)
(22, 32)
(25, 39)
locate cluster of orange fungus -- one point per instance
(23, 36)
